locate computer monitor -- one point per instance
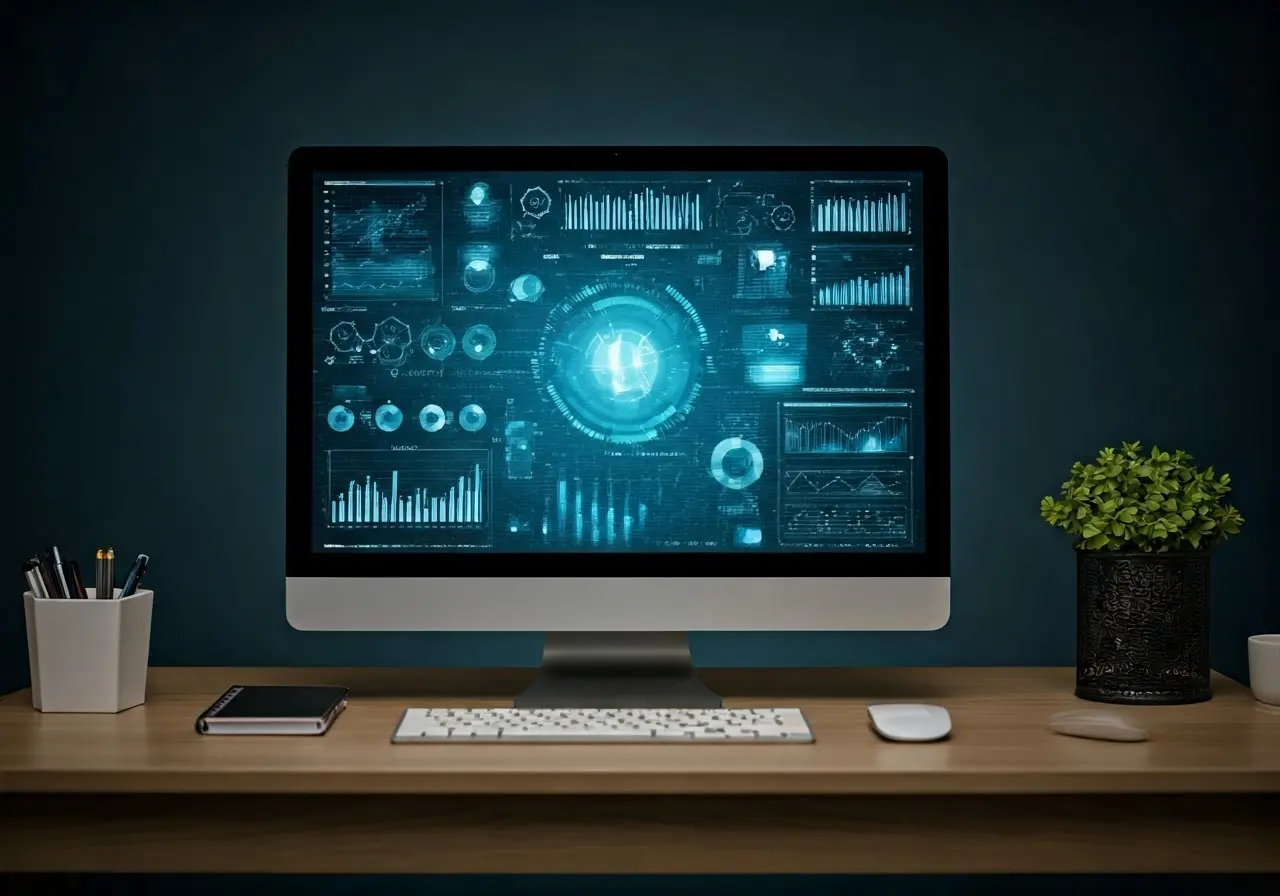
(615, 395)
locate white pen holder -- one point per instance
(88, 655)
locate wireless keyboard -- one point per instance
(595, 726)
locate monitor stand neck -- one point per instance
(617, 670)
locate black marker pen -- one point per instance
(75, 584)
(59, 574)
(47, 577)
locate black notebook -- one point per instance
(273, 709)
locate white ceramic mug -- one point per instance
(1264, 668)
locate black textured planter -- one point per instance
(1143, 627)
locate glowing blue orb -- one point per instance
(624, 363)
(620, 359)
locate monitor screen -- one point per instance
(528, 362)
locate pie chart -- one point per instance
(432, 418)
(388, 418)
(472, 418)
(340, 418)
(736, 463)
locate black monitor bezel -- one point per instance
(306, 162)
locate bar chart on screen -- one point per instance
(862, 207)
(633, 207)
(442, 491)
(846, 276)
(598, 511)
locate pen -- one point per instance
(75, 584)
(134, 575)
(104, 574)
(45, 569)
(31, 569)
(54, 559)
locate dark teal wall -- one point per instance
(1114, 214)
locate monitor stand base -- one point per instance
(617, 670)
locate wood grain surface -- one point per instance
(1000, 743)
(140, 791)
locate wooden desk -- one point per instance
(141, 791)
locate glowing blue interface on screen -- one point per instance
(533, 362)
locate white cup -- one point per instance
(1264, 668)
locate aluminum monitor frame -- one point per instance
(631, 592)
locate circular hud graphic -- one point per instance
(341, 418)
(431, 418)
(479, 342)
(472, 418)
(388, 418)
(620, 359)
(736, 463)
(478, 275)
(438, 342)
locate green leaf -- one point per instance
(1159, 501)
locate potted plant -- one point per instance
(1144, 525)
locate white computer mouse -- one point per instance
(918, 722)
(1096, 724)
